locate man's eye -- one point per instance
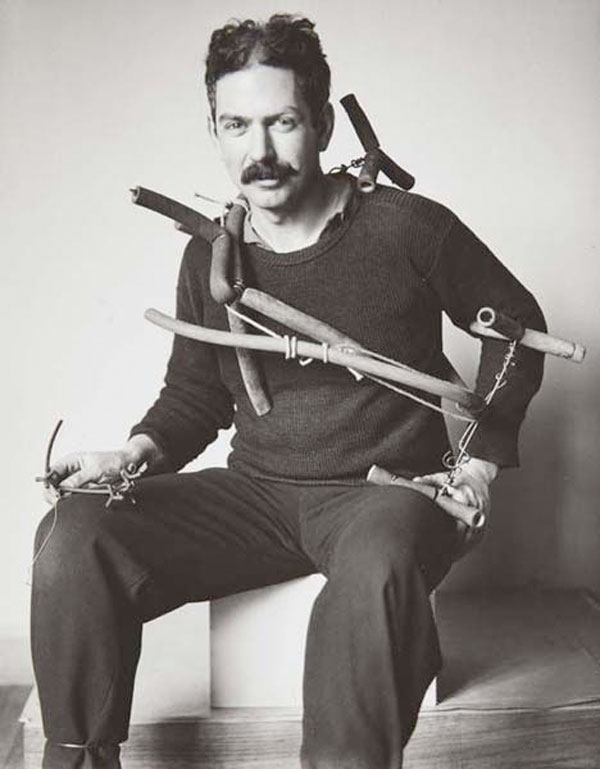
(285, 123)
(234, 127)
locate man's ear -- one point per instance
(325, 126)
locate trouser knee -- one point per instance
(66, 536)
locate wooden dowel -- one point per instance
(470, 402)
(471, 516)
(537, 340)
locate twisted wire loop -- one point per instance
(453, 462)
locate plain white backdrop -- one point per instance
(492, 104)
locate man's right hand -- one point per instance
(84, 468)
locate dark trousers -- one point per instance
(372, 647)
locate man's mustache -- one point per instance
(266, 169)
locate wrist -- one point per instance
(141, 448)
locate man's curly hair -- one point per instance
(285, 41)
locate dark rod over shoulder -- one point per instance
(360, 122)
(395, 173)
(370, 142)
(191, 221)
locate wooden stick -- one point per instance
(536, 340)
(470, 402)
(295, 319)
(317, 329)
(471, 516)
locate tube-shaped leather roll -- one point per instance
(395, 173)
(192, 221)
(221, 284)
(234, 224)
(360, 121)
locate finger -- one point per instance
(64, 467)
(462, 494)
(434, 479)
(77, 480)
(51, 496)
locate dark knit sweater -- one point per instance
(382, 277)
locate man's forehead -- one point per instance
(258, 90)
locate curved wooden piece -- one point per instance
(469, 401)
(249, 370)
(295, 319)
(473, 517)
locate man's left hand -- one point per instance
(471, 483)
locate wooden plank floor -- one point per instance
(521, 689)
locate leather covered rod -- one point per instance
(536, 340)
(370, 142)
(471, 516)
(470, 402)
(360, 122)
(226, 258)
(190, 220)
(231, 267)
(395, 173)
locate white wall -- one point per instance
(493, 104)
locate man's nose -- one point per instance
(261, 146)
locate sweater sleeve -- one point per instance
(467, 276)
(193, 403)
